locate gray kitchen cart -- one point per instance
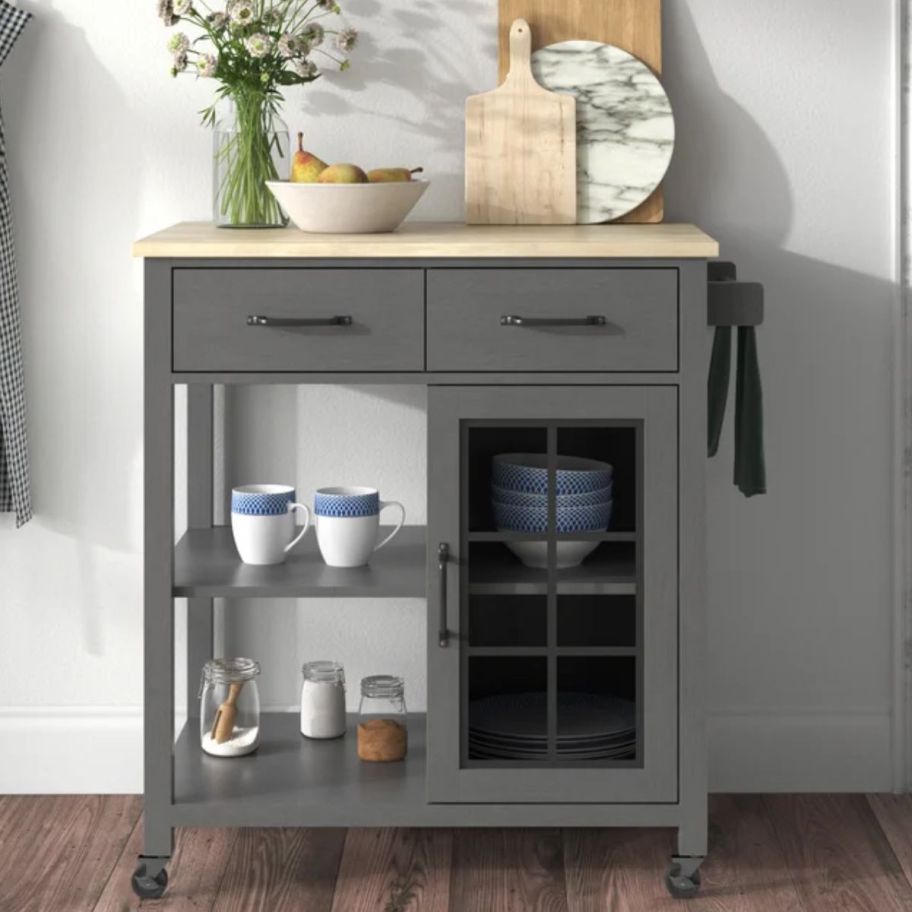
(586, 341)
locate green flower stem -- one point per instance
(246, 162)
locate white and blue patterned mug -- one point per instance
(262, 520)
(347, 520)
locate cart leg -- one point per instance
(150, 878)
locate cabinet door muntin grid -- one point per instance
(549, 655)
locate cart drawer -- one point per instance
(298, 320)
(536, 319)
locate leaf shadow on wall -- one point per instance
(64, 116)
(426, 61)
(827, 415)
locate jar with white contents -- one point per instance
(229, 707)
(323, 700)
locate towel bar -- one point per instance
(730, 302)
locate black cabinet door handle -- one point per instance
(443, 558)
(260, 320)
(517, 320)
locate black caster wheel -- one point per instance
(146, 887)
(680, 886)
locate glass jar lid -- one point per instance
(381, 686)
(230, 671)
(324, 671)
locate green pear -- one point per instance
(342, 173)
(305, 166)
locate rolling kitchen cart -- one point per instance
(587, 341)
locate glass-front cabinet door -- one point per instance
(552, 541)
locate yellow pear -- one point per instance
(342, 173)
(305, 166)
(392, 175)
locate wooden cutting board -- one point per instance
(634, 25)
(520, 147)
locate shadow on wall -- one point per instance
(71, 192)
(725, 172)
(822, 425)
(417, 53)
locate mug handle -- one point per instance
(383, 505)
(300, 535)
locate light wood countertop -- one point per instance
(436, 240)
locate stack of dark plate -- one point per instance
(589, 727)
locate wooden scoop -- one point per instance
(223, 724)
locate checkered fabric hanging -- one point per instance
(15, 492)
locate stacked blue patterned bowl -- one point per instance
(519, 498)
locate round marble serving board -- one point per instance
(624, 124)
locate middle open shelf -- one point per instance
(206, 564)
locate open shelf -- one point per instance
(610, 570)
(206, 564)
(295, 781)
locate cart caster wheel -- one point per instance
(680, 886)
(146, 887)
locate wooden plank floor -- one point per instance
(788, 853)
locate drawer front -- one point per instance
(466, 310)
(385, 331)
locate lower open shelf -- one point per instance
(295, 781)
(292, 779)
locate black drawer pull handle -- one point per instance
(443, 557)
(259, 320)
(515, 320)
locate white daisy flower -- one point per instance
(292, 46)
(241, 12)
(259, 45)
(206, 65)
(217, 21)
(178, 43)
(347, 39)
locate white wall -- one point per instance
(785, 153)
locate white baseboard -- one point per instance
(70, 750)
(802, 750)
(79, 749)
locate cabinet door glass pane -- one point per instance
(507, 707)
(596, 620)
(551, 600)
(597, 708)
(508, 620)
(491, 494)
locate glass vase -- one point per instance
(250, 147)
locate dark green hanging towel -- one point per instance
(750, 466)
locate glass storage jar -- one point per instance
(229, 707)
(382, 729)
(323, 700)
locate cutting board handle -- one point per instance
(520, 51)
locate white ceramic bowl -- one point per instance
(569, 553)
(348, 208)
